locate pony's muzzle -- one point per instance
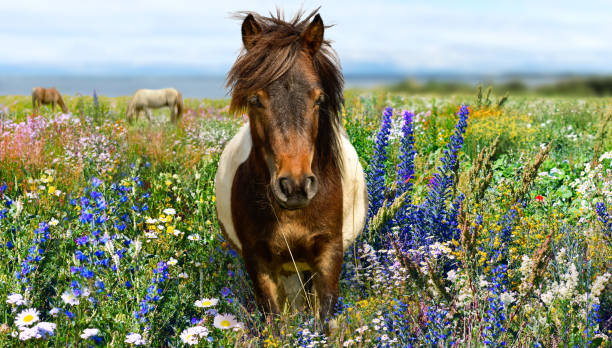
(295, 193)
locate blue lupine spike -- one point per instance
(405, 172)
(375, 174)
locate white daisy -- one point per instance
(69, 298)
(151, 221)
(87, 333)
(135, 339)
(225, 321)
(172, 261)
(27, 317)
(206, 302)
(183, 275)
(54, 312)
(189, 336)
(15, 299)
(169, 211)
(53, 222)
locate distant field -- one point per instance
(504, 236)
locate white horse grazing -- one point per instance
(145, 99)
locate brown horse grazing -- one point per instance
(290, 190)
(46, 96)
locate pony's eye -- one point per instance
(320, 100)
(254, 101)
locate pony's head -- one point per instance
(289, 82)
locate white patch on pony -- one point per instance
(235, 153)
(355, 194)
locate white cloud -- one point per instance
(464, 36)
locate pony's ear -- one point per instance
(312, 37)
(250, 29)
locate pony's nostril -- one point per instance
(285, 186)
(310, 186)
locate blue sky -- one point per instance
(123, 37)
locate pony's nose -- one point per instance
(294, 194)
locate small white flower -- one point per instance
(151, 221)
(238, 327)
(69, 298)
(599, 284)
(201, 331)
(183, 275)
(176, 232)
(25, 333)
(169, 211)
(45, 328)
(53, 222)
(224, 321)
(54, 311)
(348, 343)
(451, 275)
(507, 298)
(172, 261)
(15, 299)
(362, 329)
(191, 336)
(135, 339)
(151, 235)
(206, 302)
(194, 237)
(87, 333)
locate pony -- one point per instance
(45, 96)
(290, 191)
(145, 99)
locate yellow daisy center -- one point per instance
(206, 303)
(226, 323)
(28, 318)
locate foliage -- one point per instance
(109, 232)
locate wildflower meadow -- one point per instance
(489, 224)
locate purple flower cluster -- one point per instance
(154, 291)
(604, 218)
(35, 252)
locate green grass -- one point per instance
(161, 166)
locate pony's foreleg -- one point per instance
(328, 266)
(264, 285)
(148, 113)
(52, 106)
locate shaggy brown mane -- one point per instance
(274, 51)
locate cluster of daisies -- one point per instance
(192, 335)
(27, 321)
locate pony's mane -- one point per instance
(276, 49)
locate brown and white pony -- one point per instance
(46, 96)
(146, 99)
(291, 194)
